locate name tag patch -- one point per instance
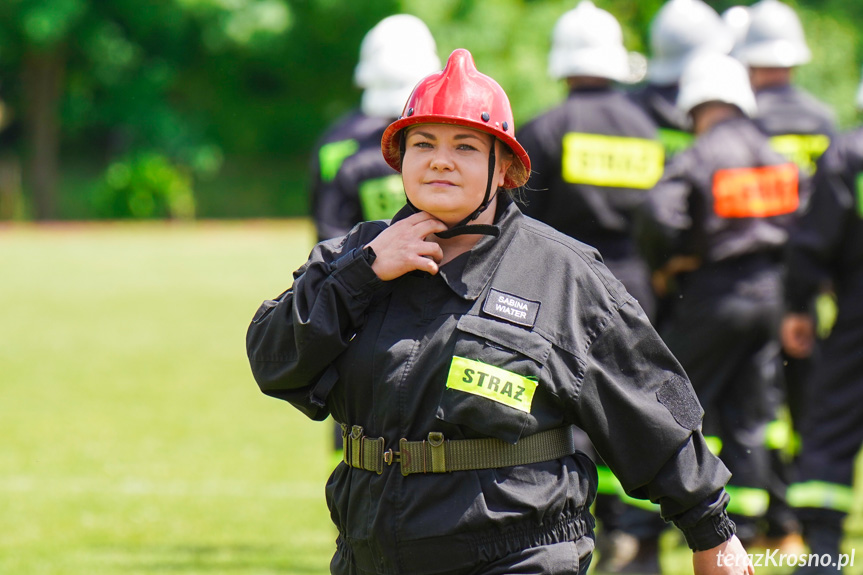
(491, 382)
(511, 308)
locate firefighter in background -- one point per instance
(678, 30)
(718, 222)
(350, 182)
(593, 158)
(827, 253)
(801, 128)
(596, 153)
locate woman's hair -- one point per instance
(515, 194)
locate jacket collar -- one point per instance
(469, 274)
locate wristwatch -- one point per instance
(369, 254)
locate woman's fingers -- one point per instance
(402, 247)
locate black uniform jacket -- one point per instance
(799, 126)
(660, 103)
(790, 110)
(828, 245)
(532, 302)
(580, 188)
(335, 202)
(730, 195)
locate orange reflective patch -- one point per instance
(756, 192)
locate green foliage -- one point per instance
(144, 446)
(834, 73)
(44, 23)
(147, 185)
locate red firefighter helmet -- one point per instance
(460, 95)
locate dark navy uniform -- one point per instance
(337, 201)
(413, 355)
(800, 128)
(592, 159)
(728, 202)
(828, 249)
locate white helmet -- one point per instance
(394, 55)
(775, 37)
(737, 20)
(678, 29)
(588, 41)
(715, 77)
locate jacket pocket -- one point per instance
(493, 378)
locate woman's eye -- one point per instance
(422, 145)
(466, 147)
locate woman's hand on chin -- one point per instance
(403, 248)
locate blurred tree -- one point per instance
(107, 74)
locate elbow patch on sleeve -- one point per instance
(678, 397)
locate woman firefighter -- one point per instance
(458, 344)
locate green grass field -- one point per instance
(133, 439)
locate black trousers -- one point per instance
(724, 331)
(833, 428)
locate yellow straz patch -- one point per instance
(612, 161)
(491, 382)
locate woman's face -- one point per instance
(445, 170)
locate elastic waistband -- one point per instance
(439, 455)
(458, 552)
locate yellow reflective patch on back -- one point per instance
(612, 161)
(674, 141)
(381, 198)
(802, 149)
(860, 194)
(331, 156)
(491, 382)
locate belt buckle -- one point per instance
(403, 457)
(391, 456)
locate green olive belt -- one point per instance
(439, 455)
